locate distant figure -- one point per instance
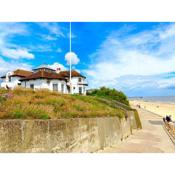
(138, 105)
(167, 119)
(170, 125)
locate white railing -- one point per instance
(83, 83)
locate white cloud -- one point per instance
(71, 56)
(10, 50)
(117, 62)
(40, 48)
(135, 58)
(17, 53)
(53, 29)
(57, 65)
(146, 85)
(12, 65)
(7, 48)
(10, 28)
(169, 31)
(48, 37)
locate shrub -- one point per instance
(17, 114)
(110, 94)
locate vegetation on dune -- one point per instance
(43, 104)
(108, 93)
(115, 98)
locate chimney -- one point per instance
(58, 70)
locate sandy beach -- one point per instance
(160, 108)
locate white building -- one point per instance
(46, 78)
(12, 79)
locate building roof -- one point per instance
(43, 67)
(42, 74)
(51, 75)
(20, 73)
(74, 74)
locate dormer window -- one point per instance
(45, 69)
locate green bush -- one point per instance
(110, 94)
(18, 114)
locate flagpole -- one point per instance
(70, 49)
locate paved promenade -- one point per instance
(151, 139)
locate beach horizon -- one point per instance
(157, 106)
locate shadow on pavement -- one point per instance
(155, 122)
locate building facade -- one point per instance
(46, 78)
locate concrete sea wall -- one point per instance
(64, 135)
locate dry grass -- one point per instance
(43, 104)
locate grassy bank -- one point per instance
(42, 104)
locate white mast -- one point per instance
(70, 61)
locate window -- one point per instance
(10, 78)
(55, 87)
(79, 79)
(32, 86)
(80, 90)
(62, 87)
(48, 82)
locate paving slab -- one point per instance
(151, 139)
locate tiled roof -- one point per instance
(28, 75)
(20, 73)
(52, 75)
(42, 74)
(74, 74)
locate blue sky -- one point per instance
(137, 58)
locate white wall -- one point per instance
(75, 85)
(37, 84)
(44, 84)
(59, 82)
(15, 79)
(12, 84)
